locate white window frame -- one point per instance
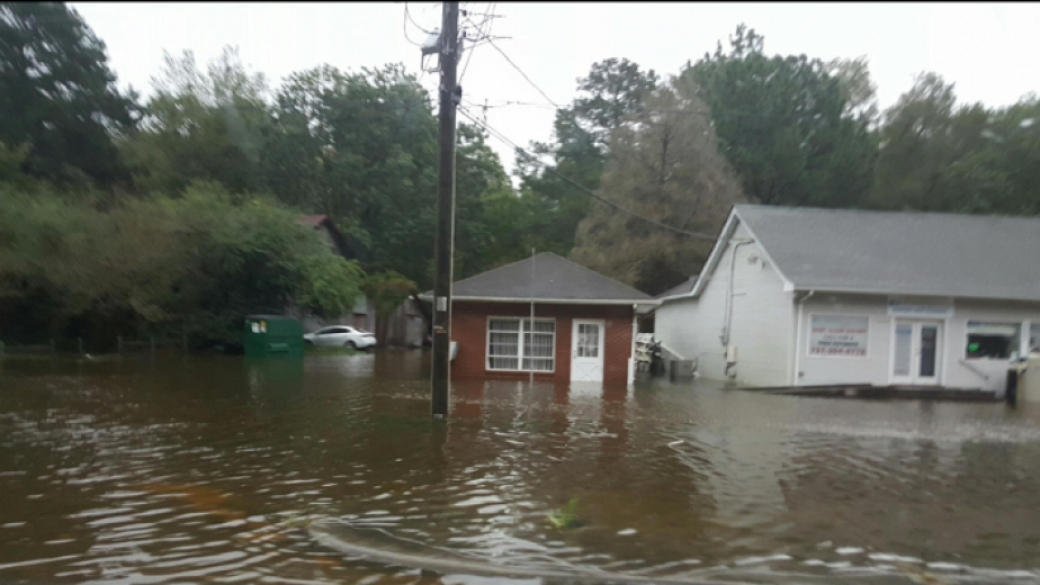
(1022, 327)
(520, 344)
(808, 337)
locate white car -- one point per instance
(341, 335)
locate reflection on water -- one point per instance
(205, 469)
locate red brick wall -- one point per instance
(469, 330)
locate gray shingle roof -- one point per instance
(907, 253)
(555, 278)
(679, 289)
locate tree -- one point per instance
(201, 126)
(362, 148)
(58, 96)
(857, 88)
(916, 146)
(194, 263)
(937, 155)
(613, 90)
(664, 164)
(785, 125)
(387, 290)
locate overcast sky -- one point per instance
(991, 51)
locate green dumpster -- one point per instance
(273, 336)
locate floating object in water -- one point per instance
(568, 519)
(676, 443)
(382, 547)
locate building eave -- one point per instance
(655, 302)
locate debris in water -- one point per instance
(626, 532)
(562, 519)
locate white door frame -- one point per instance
(914, 378)
(576, 361)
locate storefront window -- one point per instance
(993, 340)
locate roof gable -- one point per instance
(554, 279)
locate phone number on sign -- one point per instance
(852, 351)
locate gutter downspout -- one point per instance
(798, 338)
(727, 327)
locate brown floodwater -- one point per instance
(208, 470)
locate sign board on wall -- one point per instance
(839, 335)
(919, 308)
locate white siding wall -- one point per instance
(764, 325)
(873, 369)
(675, 324)
(876, 367)
(956, 337)
(762, 320)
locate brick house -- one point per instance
(583, 326)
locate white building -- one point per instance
(802, 297)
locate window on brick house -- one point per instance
(536, 353)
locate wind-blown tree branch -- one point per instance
(201, 126)
(613, 90)
(937, 155)
(785, 125)
(362, 148)
(664, 164)
(58, 95)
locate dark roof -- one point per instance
(323, 222)
(679, 289)
(941, 254)
(314, 220)
(555, 278)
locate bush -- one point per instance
(194, 263)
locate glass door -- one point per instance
(916, 351)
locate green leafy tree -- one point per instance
(387, 290)
(785, 125)
(201, 126)
(665, 165)
(331, 284)
(857, 88)
(58, 95)
(362, 148)
(196, 263)
(937, 155)
(613, 90)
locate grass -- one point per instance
(310, 349)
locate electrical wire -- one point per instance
(495, 133)
(404, 26)
(524, 75)
(486, 34)
(408, 15)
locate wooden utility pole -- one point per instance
(449, 60)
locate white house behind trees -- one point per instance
(804, 296)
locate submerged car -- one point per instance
(341, 336)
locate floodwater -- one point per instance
(209, 469)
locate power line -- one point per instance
(578, 185)
(408, 15)
(404, 27)
(521, 72)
